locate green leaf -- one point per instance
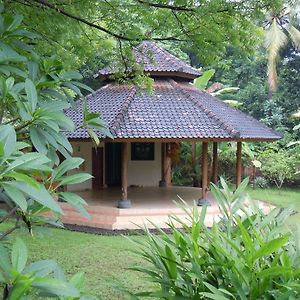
(5, 262)
(15, 194)
(8, 139)
(19, 289)
(17, 20)
(40, 195)
(76, 201)
(71, 75)
(75, 178)
(42, 268)
(38, 140)
(23, 177)
(31, 94)
(19, 255)
(67, 165)
(78, 280)
(29, 161)
(54, 287)
(202, 81)
(274, 272)
(271, 246)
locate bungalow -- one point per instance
(147, 126)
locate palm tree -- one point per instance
(279, 31)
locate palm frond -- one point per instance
(295, 36)
(274, 41)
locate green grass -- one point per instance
(280, 197)
(104, 260)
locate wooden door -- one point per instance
(113, 164)
(97, 168)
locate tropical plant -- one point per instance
(279, 29)
(34, 92)
(246, 254)
(279, 166)
(216, 89)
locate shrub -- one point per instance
(245, 255)
(279, 166)
(261, 182)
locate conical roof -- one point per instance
(156, 61)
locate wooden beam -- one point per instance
(238, 164)
(215, 163)
(204, 166)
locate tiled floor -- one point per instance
(149, 204)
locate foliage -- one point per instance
(261, 182)
(34, 93)
(247, 254)
(84, 31)
(41, 278)
(280, 27)
(278, 166)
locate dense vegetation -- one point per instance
(36, 85)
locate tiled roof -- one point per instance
(157, 61)
(175, 110)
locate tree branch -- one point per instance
(9, 231)
(9, 214)
(167, 6)
(69, 15)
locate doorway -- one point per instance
(113, 164)
(97, 168)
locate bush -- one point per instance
(261, 182)
(245, 255)
(280, 166)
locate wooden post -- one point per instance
(124, 202)
(194, 162)
(215, 163)
(238, 164)
(162, 182)
(167, 165)
(204, 167)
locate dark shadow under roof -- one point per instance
(175, 110)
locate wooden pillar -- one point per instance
(166, 164)
(238, 164)
(194, 162)
(162, 182)
(215, 163)
(204, 167)
(124, 202)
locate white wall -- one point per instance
(145, 172)
(140, 172)
(84, 150)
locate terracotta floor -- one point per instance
(144, 197)
(149, 204)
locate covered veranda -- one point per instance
(149, 205)
(152, 123)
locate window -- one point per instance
(142, 151)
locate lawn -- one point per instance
(281, 197)
(104, 259)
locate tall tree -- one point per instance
(279, 30)
(84, 30)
